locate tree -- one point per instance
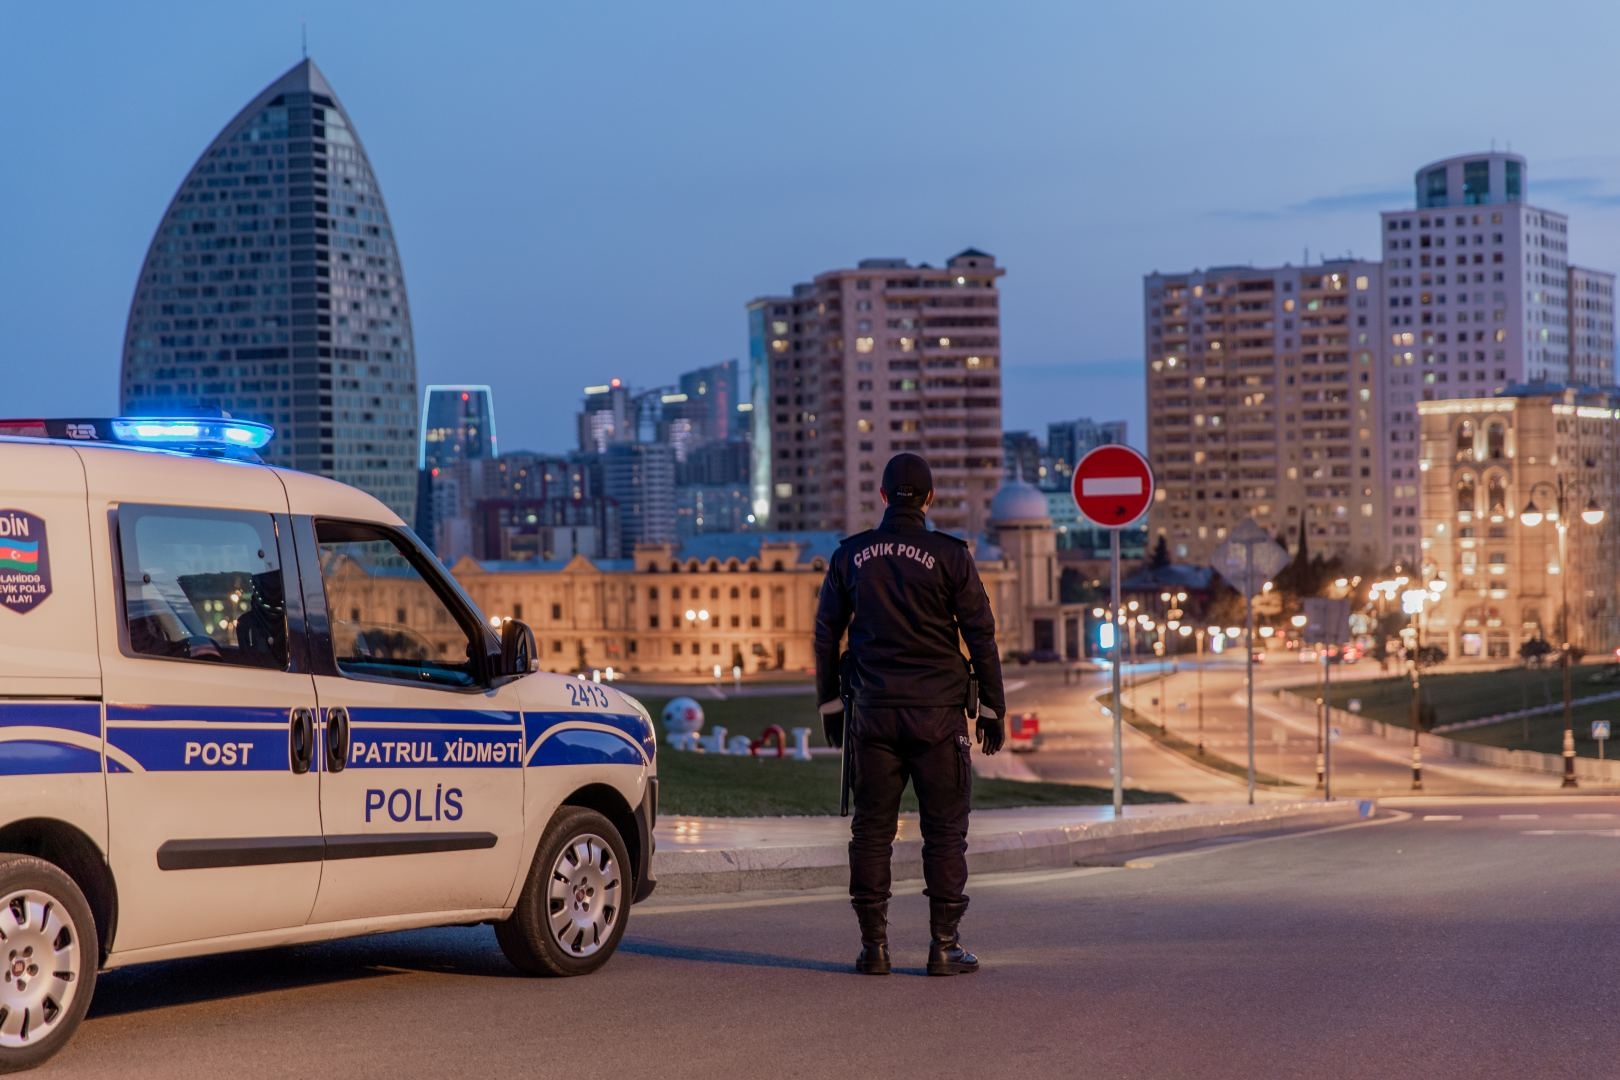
(1161, 555)
(1534, 650)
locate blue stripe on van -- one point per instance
(215, 747)
(201, 715)
(637, 730)
(81, 716)
(42, 756)
(581, 746)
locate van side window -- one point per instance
(203, 585)
(388, 620)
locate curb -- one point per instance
(812, 866)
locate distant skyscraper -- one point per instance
(273, 289)
(1021, 456)
(712, 395)
(458, 424)
(1068, 441)
(640, 477)
(610, 414)
(864, 363)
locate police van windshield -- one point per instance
(387, 619)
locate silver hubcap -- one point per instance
(39, 966)
(583, 900)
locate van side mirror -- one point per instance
(518, 653)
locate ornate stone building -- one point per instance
(744, 599)
(1510, 574)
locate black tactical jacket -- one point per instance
(905, 594)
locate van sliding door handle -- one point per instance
(337, 739)
(300, 740)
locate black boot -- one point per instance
(946, 955)
(874, 919)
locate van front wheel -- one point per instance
(48, 960)
(576, 901)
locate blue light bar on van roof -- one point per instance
(188, 431)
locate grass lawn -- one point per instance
(747, 715)
(1467, 695)
(723, 786)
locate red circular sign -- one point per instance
(1113, 486)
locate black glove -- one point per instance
(832, 726)
(992, 731)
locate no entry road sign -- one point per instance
(1113, 486)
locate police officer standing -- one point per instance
(908, 597)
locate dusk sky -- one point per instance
(590, 190)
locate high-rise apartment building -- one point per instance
(273, 290)
(864, 363)
(1263, 399)
(1479, 294)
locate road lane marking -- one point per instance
(1520, 817)
(1573, 832)
(1442, 817)
(1594, 817)
(841, 893)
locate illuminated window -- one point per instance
(1361, 283)
(906, 344)
(863, 426)
(863, 344)
(945, 342)
(779, 345)
(779, 328)
(974, 361)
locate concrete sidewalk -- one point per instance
(723, 855)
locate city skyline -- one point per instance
(1076, 220)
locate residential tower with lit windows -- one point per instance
(1263, 402)
(864, 363)
(1480, 295)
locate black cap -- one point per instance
(907, 479)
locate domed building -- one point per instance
(1018, 563)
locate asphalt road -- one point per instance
(1468, 940)
(1079, 746)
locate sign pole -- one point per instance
(1248, 605)
(1119, 705)
(1327, 730)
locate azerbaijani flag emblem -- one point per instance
(20, 555)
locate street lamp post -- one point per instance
(1530, 517)
(1412, 603)
(1300, 622)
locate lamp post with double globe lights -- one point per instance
(1592, 514)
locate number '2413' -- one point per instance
(584, 693)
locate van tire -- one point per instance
(576, 901)
(35, 887)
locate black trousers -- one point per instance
(930, 748)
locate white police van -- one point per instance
(243, 707)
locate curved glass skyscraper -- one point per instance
(273, 290)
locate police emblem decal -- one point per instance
(25, 561)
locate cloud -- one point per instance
(1356, 201)
(1580, 190)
